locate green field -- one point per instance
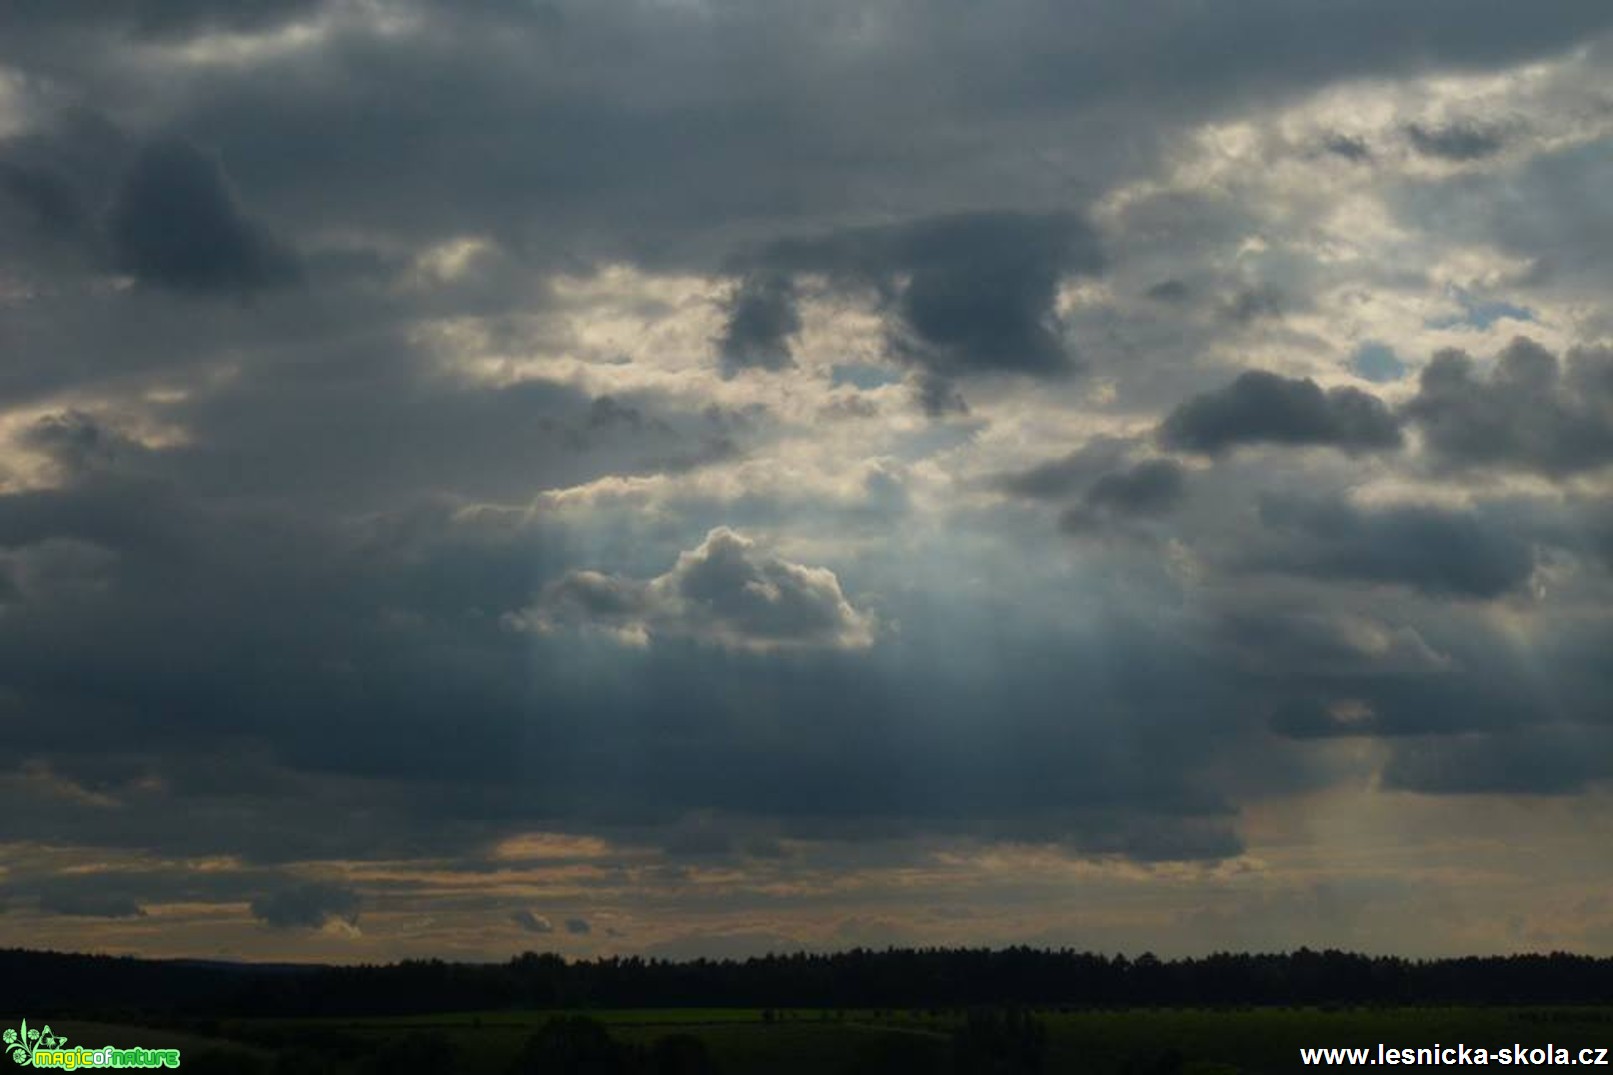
(742, 1041)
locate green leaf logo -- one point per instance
(17, 1043)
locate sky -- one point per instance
(702, 477)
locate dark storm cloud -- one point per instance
(1325, 644)
(762, 318)
(256, 581)
(850, 727)
(1530, 413)
(329, 653)
(1267, 408)
(1401, 703)
(349, 128)
(307, 906)
(578, 926)
(176, 223)
(532, 922)
(1058, 478)
(376, 420)
(936, 395)
(1438, 552)
(55, 181)
(156, 18)
(963, 294)
(90, 906)
(1109, 487)
(74, 439)
(48, 197)
(1350, 148)
(1170, 291)
(1150, 487)
(981, 289)
(1457, 142)
(1543, 761)
(1250, 304)
(1136, 494)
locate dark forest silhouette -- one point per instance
(861, 978)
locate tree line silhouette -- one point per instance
(50, 983)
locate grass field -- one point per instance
(742, 1041)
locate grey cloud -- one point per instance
(176, 223)
(1337, 646)
(160, 18)
(1548, 212)
(532, 922)
(1350, 148)
(964, 293)
(1312, 718)
(1530, 413)
(90, 906)
(55, 178)
(578, 926)
(1150, 487)
(700, 170)
(1457, 141)
(75, 440)
(1061, 477)
(307, 906)
(1250, 304)
(48, 197)
(1593, 531)
(726, 592)
(937, 396)
(1267, 408)
(1396, 706)
(406, 430)
(1170, 291)
(543, 726)
(1436, 551)
(1163, 839)
(378, 630)
(762, 318)
(1126, 496)
(1538, 761)
(606, 412)
(981, 291)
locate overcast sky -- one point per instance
(704, 477)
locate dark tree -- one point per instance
(680, 1054)
(571, 1045)
(1006, 1042)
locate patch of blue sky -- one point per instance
(1377, 362)
(1482, 313)
(863, 376)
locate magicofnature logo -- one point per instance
(41, 1048)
